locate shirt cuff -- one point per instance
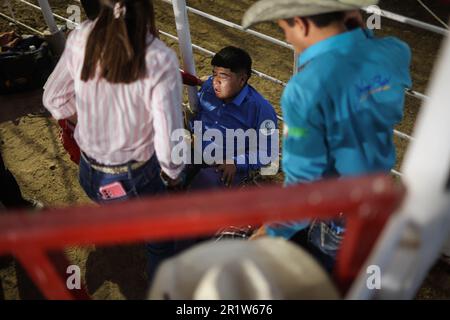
(62, 112)
(173, 173)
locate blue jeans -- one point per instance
(323, 240)
(144, 181)
(208, 179)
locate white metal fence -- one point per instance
(180, 6)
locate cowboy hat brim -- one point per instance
(270, 10)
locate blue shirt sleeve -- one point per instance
(266, 127)
(305, 155)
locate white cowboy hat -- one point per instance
(269, 10)
(264, 269)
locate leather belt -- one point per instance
(113, 169)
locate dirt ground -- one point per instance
(32, 151)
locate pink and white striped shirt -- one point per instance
(118, 123)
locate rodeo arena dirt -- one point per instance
(398, 221)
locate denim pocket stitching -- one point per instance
(310, 230)
(326, 229)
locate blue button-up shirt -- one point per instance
(248, 110)
(340, 109)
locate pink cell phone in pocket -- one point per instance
(112, 191)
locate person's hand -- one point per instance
(228, 173)
(172, 184)
(9, 39)
(73, 119)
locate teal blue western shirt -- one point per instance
(340, 110)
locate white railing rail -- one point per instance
(406, 20)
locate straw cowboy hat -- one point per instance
(263, 269)
(269, 10)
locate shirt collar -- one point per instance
(346, 39)
(241, 96)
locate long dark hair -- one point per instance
(117, 44)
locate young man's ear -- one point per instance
(303, 24)
(243, 79)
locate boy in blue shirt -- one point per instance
(341, 107)
(227, 103)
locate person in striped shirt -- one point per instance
(124, 87)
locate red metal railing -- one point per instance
(366, 201)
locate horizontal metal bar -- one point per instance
(237, 27)
(21, 24)
(416, 94)
(396, 173)
(39, 8)
(406, 20)
(185, 215)
(403, 135)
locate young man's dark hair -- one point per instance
(235, 59)
(322, 20)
